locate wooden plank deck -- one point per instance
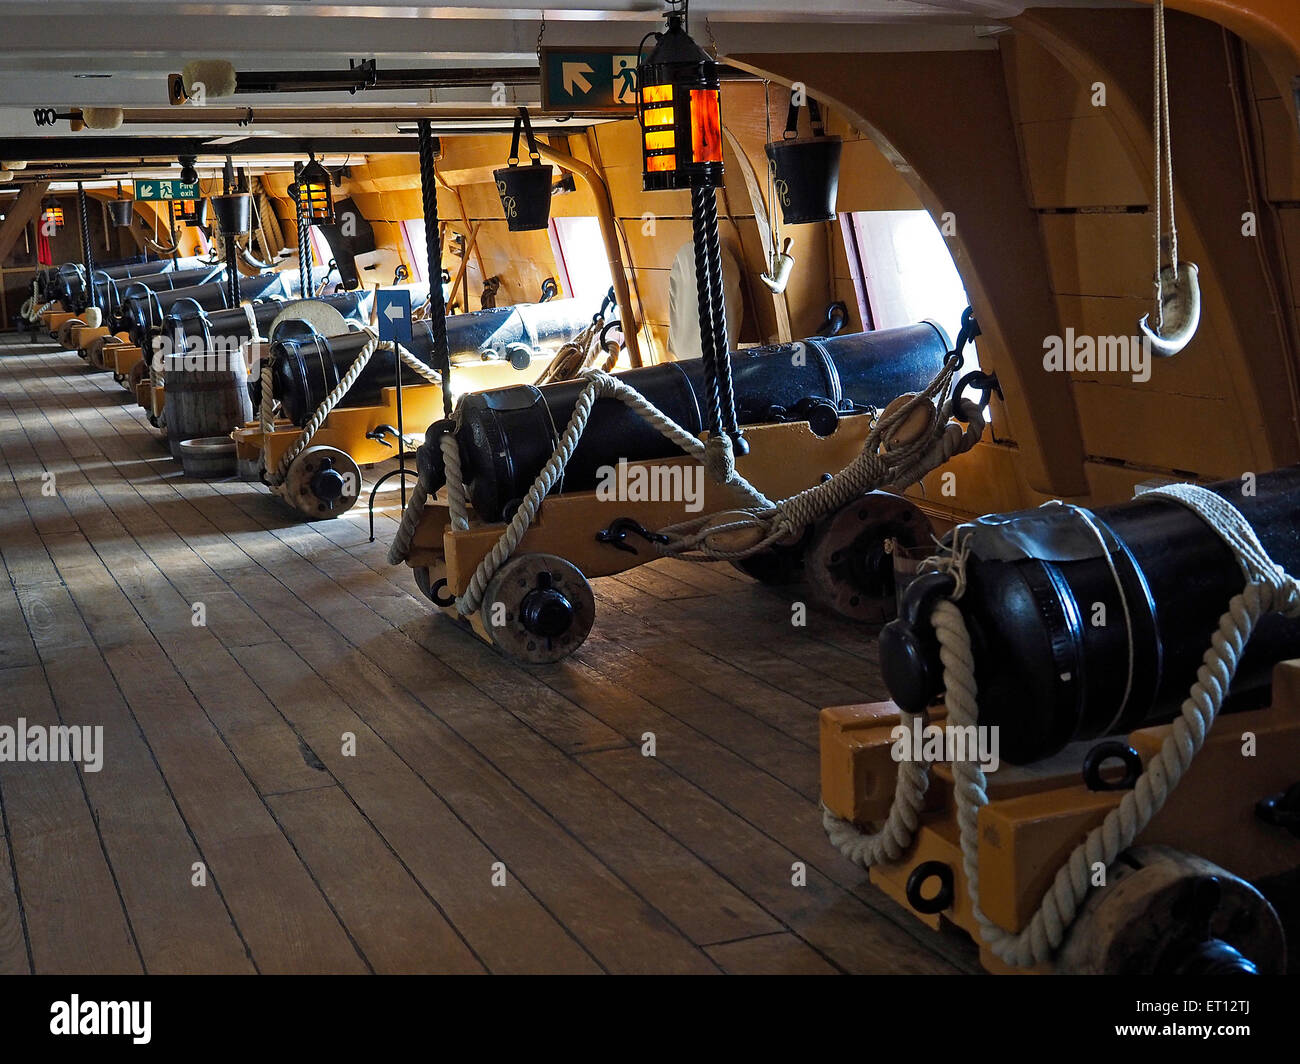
(328, 777)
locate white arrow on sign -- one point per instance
(393, 312)
(573, 78)
(146, 190)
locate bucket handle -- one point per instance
(792, 117)
(534, 156)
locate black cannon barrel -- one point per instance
(49, 285)
(491, 332)
(1047, 622)
(143, 313)
(507, 435)
(111, 282)
(123, 292)
(191, 330)
(67, 282)
(308, 368)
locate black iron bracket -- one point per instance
(622, 527)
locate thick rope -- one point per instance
(427, 372)
(161, 249)
(400, 549)
(718, 312)
(29, 304)
(457, 503)
(36, 313)
(433, 253)
(895, 835)
(1164, 161)
(1268, 588)
(323, 411)
(575, 356)
(87, 246)
(898, 468)
(304, 252)
(708, 335)
(266, 407)
(250, 315)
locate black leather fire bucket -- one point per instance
(525, 191)
(121, 212)
(806, 170)
(234, 212)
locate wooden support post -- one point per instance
(608, 231)
(471, 242)
(464, 217)
(25, 208)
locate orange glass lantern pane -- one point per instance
(706, 126)
(658, 116)
(660, 140)
(657, 94)
(660, 163)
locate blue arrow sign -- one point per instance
(394, 310)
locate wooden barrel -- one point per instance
(207, 395)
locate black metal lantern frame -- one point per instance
(186, 212)
(311, 194)
(679, 108)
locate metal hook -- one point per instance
(1180, 310)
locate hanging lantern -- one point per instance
(193, 213)
(311, 193)
(525, 191)
(806, 171)
(52, 214)
(679, 106)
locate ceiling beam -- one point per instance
(143, 150)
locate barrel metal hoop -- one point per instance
(835, 390)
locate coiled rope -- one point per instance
(578, 354)
(29, 304)
(1268, 588)
(873, 468)
(32, 312)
